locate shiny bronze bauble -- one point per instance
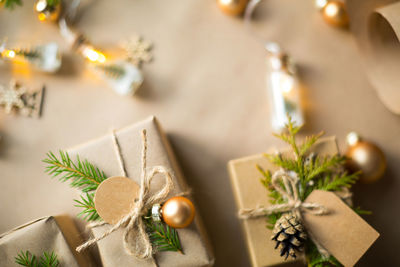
(232, 7)
(367, 158)
(178, 212)
(335, 13)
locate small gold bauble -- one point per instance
(232, 7)
(367, 158)
(47, 12)
(335, 13)
(178, 212)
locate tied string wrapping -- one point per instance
(135, 239)
(290, 192)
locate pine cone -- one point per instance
(289, 235)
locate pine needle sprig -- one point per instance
(26, 259)
(338, 182)
(11, 4)
(48, 260)
(315, 259)
(319, 165)
(309, 142)
(286, 163)
(52, 3)
(29, 260)
(89, 212)
(274, 196)
(361, 211)
(83, 174)
(267, 178)
(163, 237)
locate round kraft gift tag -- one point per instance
(115, 198)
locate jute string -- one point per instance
(135, 239)
(288, 191)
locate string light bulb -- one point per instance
(92, 54)
(9, 53)
(44, 57)
(124, 77)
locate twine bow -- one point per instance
(290, 192)
(135, 239)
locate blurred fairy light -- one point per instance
(92, 55)
(9, 53)
(331, 10)
(123, 76)
(320, 4)
(41, 6)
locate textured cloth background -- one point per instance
(206, 86)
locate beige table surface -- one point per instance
(206, 85)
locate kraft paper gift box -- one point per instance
(250, 193)
(49, 234)
(101, 152)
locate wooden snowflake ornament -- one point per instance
(17, 97)
(11, 97)
(138, 50)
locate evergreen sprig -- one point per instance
(29, 260)
(11, 4)
(82, 175)
(314, 172)
(89, 212)
(52, 3)
(314, 257)
(163, 237)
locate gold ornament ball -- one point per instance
(335, 13)
(232, 7)
(367, 158)
(178, 212)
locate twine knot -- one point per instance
(286, 183)
(135, 239)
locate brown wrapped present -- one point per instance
(250, 194)
(101, 152)
(49, 234)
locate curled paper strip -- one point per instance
(376, 26)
